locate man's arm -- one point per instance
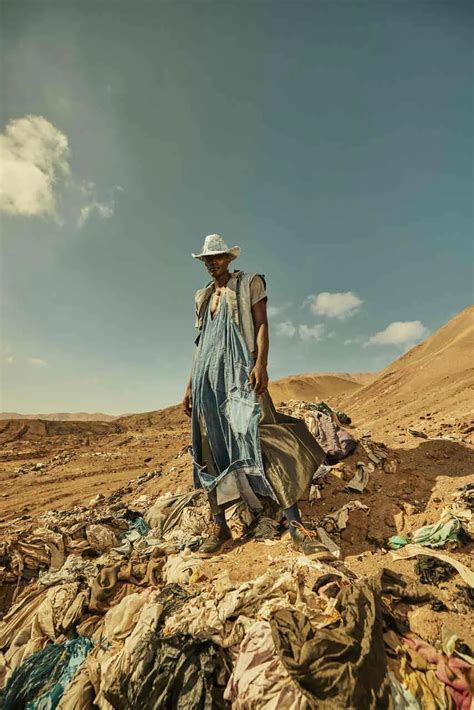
(188, 400)
(259, 376)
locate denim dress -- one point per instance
(226, 407)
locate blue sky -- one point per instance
(332, 141)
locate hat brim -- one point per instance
(233, 252)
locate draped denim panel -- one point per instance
(223, 398)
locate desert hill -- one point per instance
(64, 416)
(434, 378)
(318, 385)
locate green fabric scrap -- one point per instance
(396, 542)
(439, 534)
(39, 683)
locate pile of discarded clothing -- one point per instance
(325, 425)
(111, 606)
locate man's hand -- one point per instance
(258, 379)
(187, 402)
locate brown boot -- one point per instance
(219, 536)
(307, 542)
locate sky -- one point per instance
(331, 141)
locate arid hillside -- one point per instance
(316, 386)
(434, 379)
(64, 416)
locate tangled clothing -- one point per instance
(174, 673)
(223, 616)
(259, 680)
(156, 672)
(40, 681)
(456, 674)
(335, 442)
(338, 667)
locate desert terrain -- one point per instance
(420, 408)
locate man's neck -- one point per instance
(222, 280)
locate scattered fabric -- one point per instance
(419, 434)
(179, 568)
(433, 571)
(340, 517)
(334, 441)
(436, 535)
(360, 479)
(415, 550)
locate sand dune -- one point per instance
(318, 385)
(435, 378)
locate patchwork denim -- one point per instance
(228, 406)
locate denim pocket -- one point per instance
(239, 412)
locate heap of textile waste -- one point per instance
(112, 607)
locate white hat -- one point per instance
(214, 244)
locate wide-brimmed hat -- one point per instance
(214, 244)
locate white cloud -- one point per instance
(34, 156)
(334, 305)
(311, 331)
(9, 359)
(37, 362)
(399, 333)
(104, 209)
(286, 328)
(275, 310)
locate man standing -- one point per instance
(242, 447)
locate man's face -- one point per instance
(217, 264)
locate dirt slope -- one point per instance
(433, 379)
(318, 385)
(64, 416)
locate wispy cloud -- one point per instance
(286, 328)
(34, 156)
(104, 209)
(334, 305)
(37, 362)
(273, 311)
(355, 340)
(399, 333)
(311, 331)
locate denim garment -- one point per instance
(223, 399)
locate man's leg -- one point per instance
(219, 533)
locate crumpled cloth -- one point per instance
(259, 680)
(455, 673)
(336, 443)
(338, 667)
(41, 680)
(178, 569)
(340, 517)
(435, 535)
(415, 550)
(223, 617)
(360, 479)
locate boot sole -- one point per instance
(217, 551)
